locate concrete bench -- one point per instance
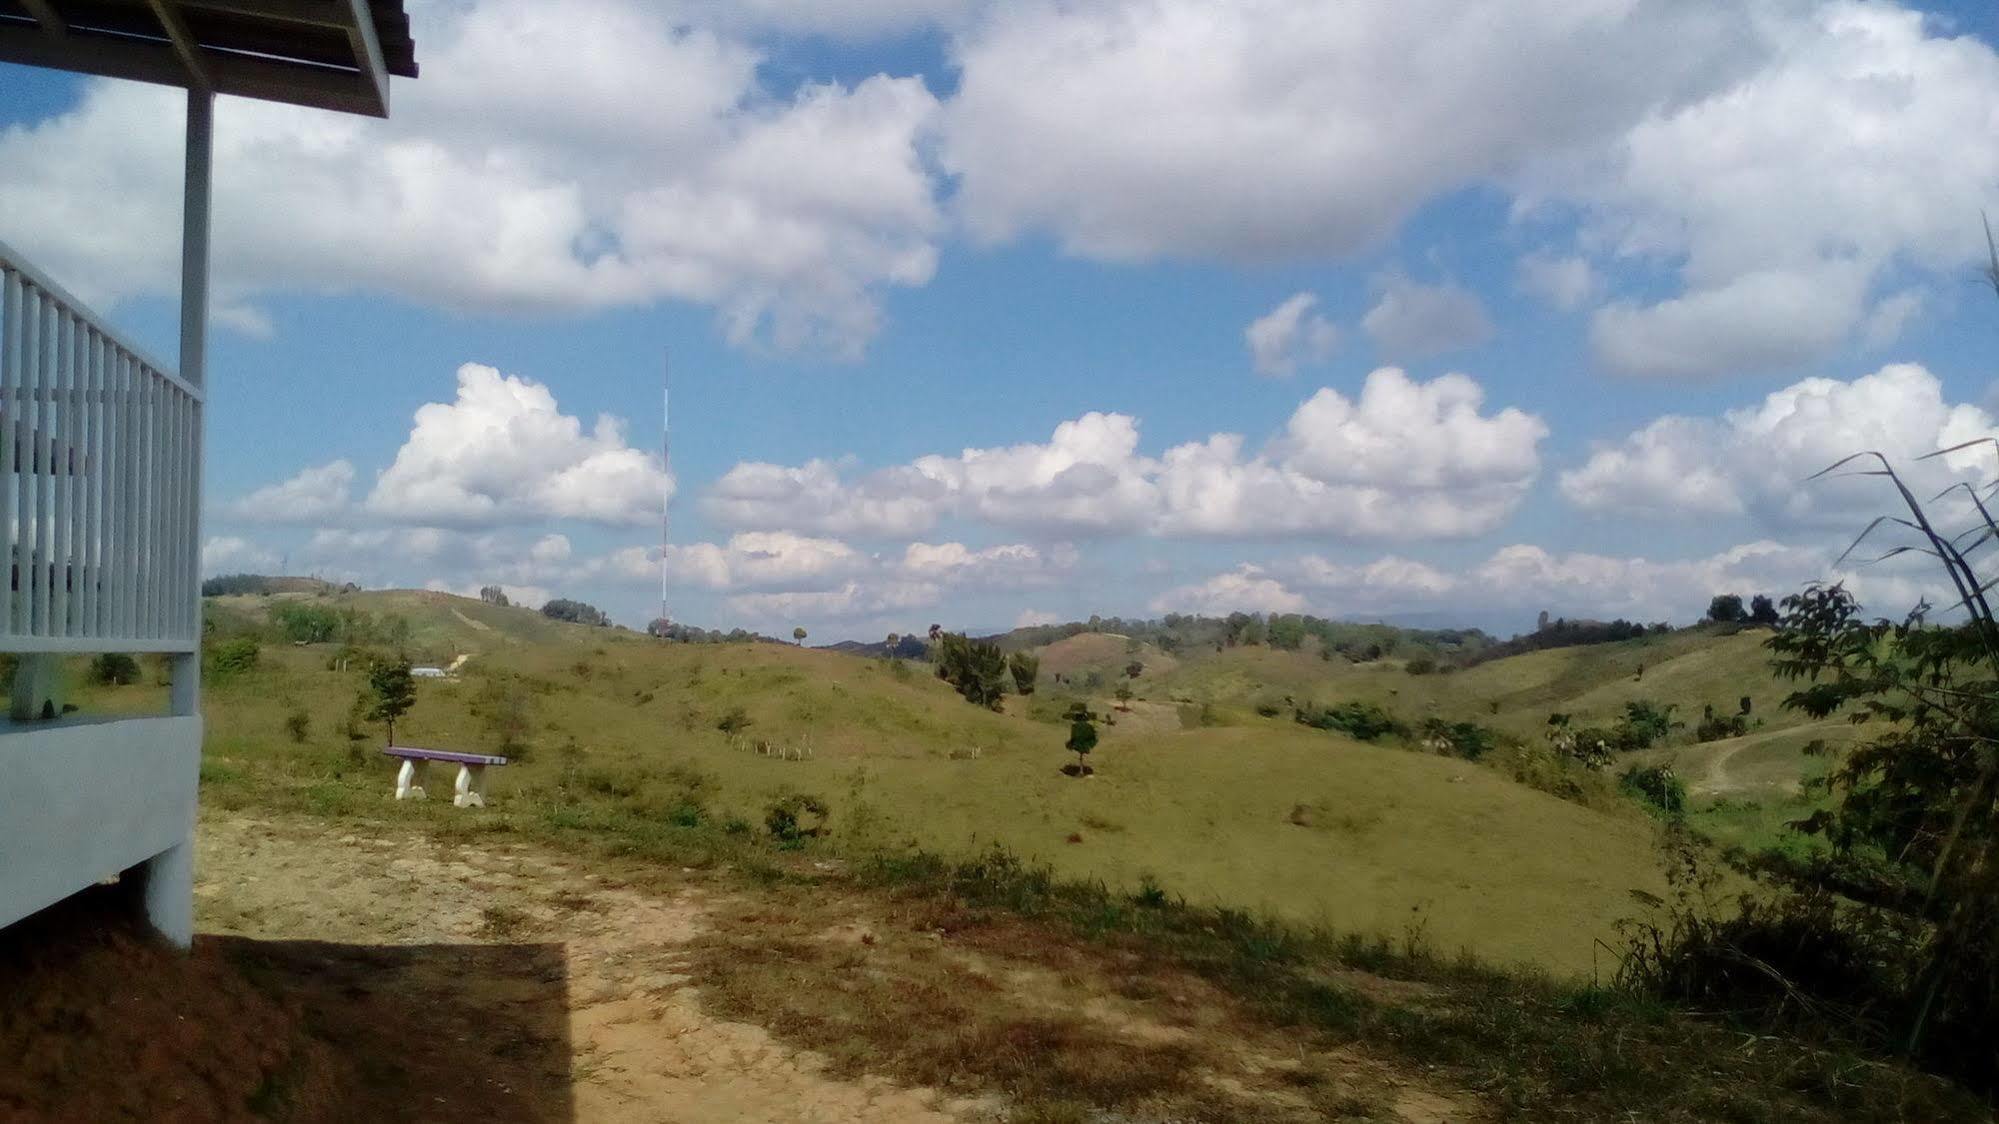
(471, 787)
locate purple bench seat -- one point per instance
(471, 787)
(417, 753)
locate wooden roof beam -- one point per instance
(184, 44)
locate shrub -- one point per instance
(114, 669)
(1361, 721)
(734, 722)
(1468, 740)
(976, 669)
(1025, 668)
(1657, 786)
(1644, 724)
(1421, 665)
(563, 609)
(233, 658)
(795, 818)
(1714, 727)
(298, 724)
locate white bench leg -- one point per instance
(409, 780)
(471, 787)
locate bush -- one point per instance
(298, 724)
(795, 818)
(1657, 786)
(1714, 727)
(232, 658)
(734, 722)
(1421, 665)
(578, 612)
(1358, 720)
(1468, 740)
(114, 669)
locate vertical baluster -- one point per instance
(122, 546)
(176, 590)
(24, 467)
(148, 484)
(190, 595)
(44, 482)
(79, 484)
(157, 462)
(10, 413)
(93, 486)
(61, 441)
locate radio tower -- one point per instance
(666, 463)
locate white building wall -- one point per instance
(82, 800)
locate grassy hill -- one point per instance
(1196, 789)
(1264, 814)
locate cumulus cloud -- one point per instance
(591, 154)
(1290, 336)
(231, 554)
(1755, 460)
(1864, 143)
(315, 495)
(1528, 578)
(1406, 459)
(1413, 320)
(502, 452)
(1124, 126)
(1245, 589)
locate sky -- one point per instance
(985, 313)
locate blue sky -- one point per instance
(893, 246)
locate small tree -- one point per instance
(1134, 669)
(1025, 669)
(1726, 608)
(1762, 610)
(1124, 696)
(798, 636)
(391, 692)
(1082, 739)
(494, 595)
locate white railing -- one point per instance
(99, 479)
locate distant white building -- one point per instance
(429, 673)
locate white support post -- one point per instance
(169, 875)
(193, 356)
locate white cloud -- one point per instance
(759, 560)
(1755, 460)
(1258, 129)
(1864, 143)
(1405, 460)
(1890, 316)
(1012, 565)
(315, 495)
(1527, 578)
(503, 452)
(230, 554)
(1289, 336)
(1413, 320)
(597, 155)
(1246, 589)
(1567, 283)
(1030, 618)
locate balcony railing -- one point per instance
(99, 481)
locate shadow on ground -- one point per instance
(102, 1022)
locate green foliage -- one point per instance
(1082, 739)
(1134, 669)
(975, 668)
(1762, 610)
(1657, 786)
(1420, 665)
(734, 722)
(114, 669)
(298, 724)
(1026, 668)
(391, 693)
(1468, 740)
(1714, 726)
(304, 623)
(232, 658)
(576, 612)
(1362, 721)
(1644, 724)
(794, 818)
(1726, 608)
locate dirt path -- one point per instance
(626, 1039)
(491, 981)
